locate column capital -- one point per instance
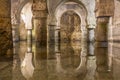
(103, 19)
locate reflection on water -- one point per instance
(65, 61)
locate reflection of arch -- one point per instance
(81, 69)
(27, 67)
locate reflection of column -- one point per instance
(102, 70)
(27, 67)
(90, 49)
(58, 64)
(101, 29)
(57, 47)
(29, 40)
(91, 67)
(58, 54)
(16, 72)
(40, 63)
(110, 56)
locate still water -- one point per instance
(65, 61)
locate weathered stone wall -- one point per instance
(116, 22)
(5, 28)
(5, 41)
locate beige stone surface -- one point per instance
(5, 28)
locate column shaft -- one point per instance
(101, 29)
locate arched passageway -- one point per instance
(70, 29)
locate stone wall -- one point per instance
(116, 22)
(116, 60)
(5, 41)
(5, 28)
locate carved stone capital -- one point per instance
(104, 8)
(40, 6)
(103, 19)
(37, 14)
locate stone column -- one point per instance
(101, 29)
(110, 30)
(40, 21)
(51, 41)
(90, 34)
(40, 25)
(51, 34)
(91, 49)
(57, 35)
(15, 32)
(29, 41)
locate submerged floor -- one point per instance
(62, 62)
